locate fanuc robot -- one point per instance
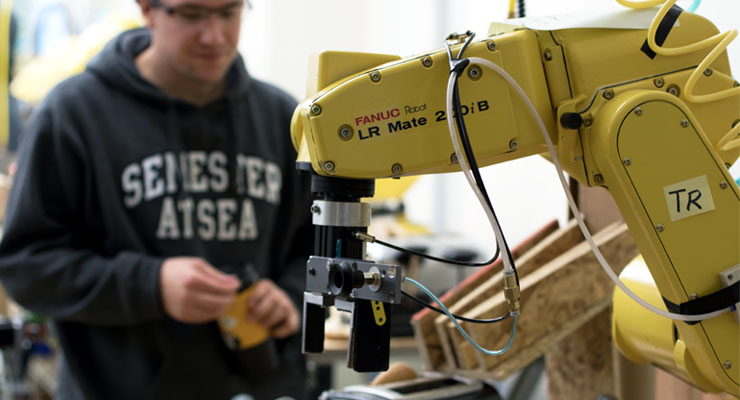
(652, 115)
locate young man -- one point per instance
(140, 178)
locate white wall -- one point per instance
(279, 35)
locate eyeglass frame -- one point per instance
(173, 11)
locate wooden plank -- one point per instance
(555, 299)
(580, 365)
(428, 342)
(540, 254)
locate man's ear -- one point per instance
(146, 12)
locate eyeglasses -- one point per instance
(190, 14)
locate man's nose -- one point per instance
(212, 33)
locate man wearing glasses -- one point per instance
(139, 181)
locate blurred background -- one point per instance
(50, 40)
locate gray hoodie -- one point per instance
(114, 176)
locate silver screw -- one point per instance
(315, 109)
(453, 158)
(627, 161)
(685, 123)
(345, 132)
(315, 209)
(426, 61)
(491, 46)
(588, 121)
(658, 82)
(474, 72)
(375, 76)
(659, 227)
(608, 94)
(708, 72)
(727, 364)
(673, 89)
(328, 265)
(329, 166)
(723, 185)
(396, 169)
(548, 55)
(392, 272)
(638, 111)
(598, 178)
(354, 293)
(512, 144)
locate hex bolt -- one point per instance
(658, 82)
(727, 364)
(315, 109)
(345, 132)
(685, 123)
(453, 158)
(608, 94)
(598, 178)
(659, 227)
(512, 144)
(375, 76)
(708, 72)
(427, 61)
(315, 209)
(329, 166)
(627, 161)
(491, 46)
(588, 121)
(673, 89)
(474, 72)
(396, 169)
(723, 185)
(547, 55)
(638, 111)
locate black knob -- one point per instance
(571, 120)
(344, 277)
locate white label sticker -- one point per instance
(688, 198)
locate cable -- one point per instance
(457, 317)
(522, 13)
(694, 6)
(586, 234)
(430, 257)
(460, 329)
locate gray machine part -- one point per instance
(428, 387)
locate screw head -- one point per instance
(491, 45)
(427, 61)
(729, 276)
(453, 158)
(685, 123)
(547, 55)
(708, 72)
(315, 109)
(315, 209)
(375, 76)
(598, 178)
(311, 271)
(474, 72)
(673, 89)
(588, 121)
(659, 227)
(658, 82)
(638, 111)
(627, 161)
(329, 166)
(608, 94)
(396, 169)
(513, 144)
(345, 132)
(723, 185)
(727, 364)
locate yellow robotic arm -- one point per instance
(655, 133)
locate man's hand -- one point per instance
(271, 307)
(193, 291)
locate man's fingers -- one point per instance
(211, 303)
(203, 281)
(288, 327)
(217, 274)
